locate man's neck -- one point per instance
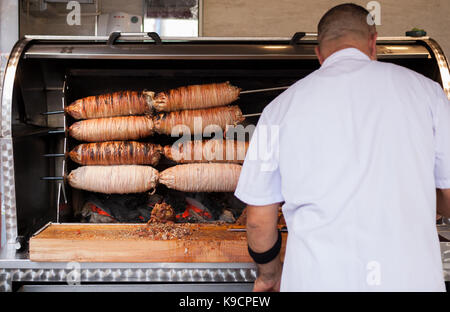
(334, 49)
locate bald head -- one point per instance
(345, 26)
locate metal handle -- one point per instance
(117, 34)
(296, 37)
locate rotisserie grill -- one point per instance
(126, 144)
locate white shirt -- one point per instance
(355, 151)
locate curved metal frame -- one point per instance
(8, 192)
(442, 63)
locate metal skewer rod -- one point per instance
(52, 178)
(63, 192)
(264, 90)
(242, 92)
(53, 112)
(251, 115)
(56, 131)
(54, 155)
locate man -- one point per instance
(354, 152)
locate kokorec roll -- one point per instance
(117, 153)
(124, 103)
(114, 179)
(111, 129)
(211, 177)
(229, 151)
(197, 121)
(196, 97)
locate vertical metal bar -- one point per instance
(200, 18)
(61, 186)
(63, 192)
(8, 214)
(96, 18)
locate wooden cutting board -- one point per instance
(139, 243)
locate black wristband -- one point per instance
(266, 257)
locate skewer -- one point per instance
(52, 178)
(264, 90)
(54, 155)
(59, 179)
(251, 115)
(53, 112)
(63, 192)
(56, 131)
(242, 92)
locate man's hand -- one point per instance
(269, 276)
(443, 202)
(262, 235)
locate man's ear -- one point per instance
(319, 56)
(373, 47)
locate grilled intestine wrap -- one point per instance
(197, 121)
(196, 97)
(117, 153)
(123, 103)
(199, 151)
(111, 129)
(211, 177)
(129, 103)
(114, 179)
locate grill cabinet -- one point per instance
(46, 73)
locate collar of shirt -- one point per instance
(349, 53)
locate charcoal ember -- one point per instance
(195, 217)
(93, 214)
(235, 205)
(218, 202)
(129, 208)
(176, 199)
(162, 213)
(195, 212)
(227, 216)
(242, 220)
(214, 201)
(155, 199)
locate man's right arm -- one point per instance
(443, 202)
